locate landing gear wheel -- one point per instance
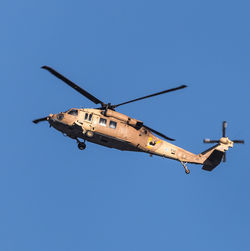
(81, 145)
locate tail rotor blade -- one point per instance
(224, 157)
(239, 141)
(224, 126)
(210, 141)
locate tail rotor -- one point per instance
(224, 126)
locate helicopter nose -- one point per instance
(59, 116)
(56, 117)
(52, 118)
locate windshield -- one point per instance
(73, 112)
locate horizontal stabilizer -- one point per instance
(214, 155)
(213, 160)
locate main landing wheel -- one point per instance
(81, 145)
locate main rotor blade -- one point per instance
(40, 120)
(73, 85)
(152, 95)
(158, 133)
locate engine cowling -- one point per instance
(123, 117)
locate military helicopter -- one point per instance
(107, 127)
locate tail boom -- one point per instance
(212, 157)
(209, 159)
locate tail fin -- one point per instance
(213, 156)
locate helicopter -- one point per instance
(107, 127)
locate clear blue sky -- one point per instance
(55, 197)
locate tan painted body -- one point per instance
(97, 126)
(105, 126)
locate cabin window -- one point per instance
(73, 112)
(90, 117)
(102, 122)
(86, 116)
(112, 124)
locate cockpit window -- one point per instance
(60, 116)
(73, 112)
(90, 116)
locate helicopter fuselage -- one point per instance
(115, 130)
(106, 127)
